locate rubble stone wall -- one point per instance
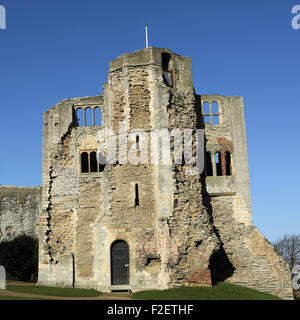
(19, 211)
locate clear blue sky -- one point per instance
(54, 50)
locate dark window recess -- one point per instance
(218, 164)
(168, 78)
(89, 162)
(84, 162)
(165, 60)
(137, 142)
(167, 73)
(208, 162)
(228, 163)
(137, 200)
(93, 162)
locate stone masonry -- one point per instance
(125, 226)
(19, 211)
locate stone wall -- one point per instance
(19, 211)
(255, 262)
(247, 259)
(61, 206)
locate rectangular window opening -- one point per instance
(216, 120)
(137, 200)
(228, 163)
(209, 169)
(207, 119)
(218, 164)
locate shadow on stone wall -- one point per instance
(19, 256)
(220, 266)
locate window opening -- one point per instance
(97, 116)
(228, 163)
(80, 117)
(137, 201)
(167, 74)
(218, 163)
(211, 112)
(84, 162)
(93, 162)
(209, 169)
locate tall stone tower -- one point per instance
(145, 225)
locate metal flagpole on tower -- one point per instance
(146, 36)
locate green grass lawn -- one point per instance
(54, 291)
(221, 291)
(18, 298)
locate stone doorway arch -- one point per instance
(119, 253)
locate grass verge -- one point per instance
(221, 291)
(18, 298)
(54, 291)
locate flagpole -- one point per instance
(146, 36)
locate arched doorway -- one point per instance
(119, 263)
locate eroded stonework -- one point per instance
(171, 229)
(19, 211)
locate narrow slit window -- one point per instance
(84, 162)
(137, 200)
(228, 163)
(137, 142)
(93, 162)
(208, 162)
(218, 163)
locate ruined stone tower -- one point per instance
(150, 226)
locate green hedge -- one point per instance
(20, 258)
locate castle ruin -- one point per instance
(124, 226)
